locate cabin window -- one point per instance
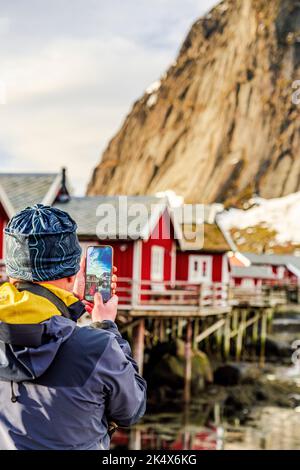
(157, 263)
(200, 269)
(280, 272)
(248, 283)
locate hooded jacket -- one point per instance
(60, 383)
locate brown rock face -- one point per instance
(222, 122)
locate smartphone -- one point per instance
(98, 272)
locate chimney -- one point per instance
(63, 195)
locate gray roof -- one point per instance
(26, 189)
(256, 272)
(275, 260)
(84, 211)
(198, 213)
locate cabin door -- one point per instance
(157, 266)
(200, 269)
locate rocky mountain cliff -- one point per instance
(220, 125)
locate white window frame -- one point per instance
(248, 283)
(197, 278)
(157, 263)
(280, 272)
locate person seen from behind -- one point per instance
(61, 385)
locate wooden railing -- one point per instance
(264, 295)
(180, 294)
(184, 295)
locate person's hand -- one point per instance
(104, 311)
(79, 284)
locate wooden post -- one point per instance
(154, 332)
(219, 341)
(263, 337)
(235, 327)
(162, 331)
(200, 299)
(180, 328)
(188, 363)
(138, 344)
(185, 428)
(239, 343)
(135, 439)
(196, 333)
(217, 414)
(270, 320)
(208, 325)
(235, 319)
(227, 337)
(255, 332)
(174, 328)
(240, 335)
(255, 337)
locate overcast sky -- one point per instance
(70, 71)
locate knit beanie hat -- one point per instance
(41, 245)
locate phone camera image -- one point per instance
(98, 272)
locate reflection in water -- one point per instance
(267, 428)
(273, 429)
(270, 428)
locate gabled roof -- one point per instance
(274, 260)
(238, 259)
(254, 272)
(200, 231)
(84, 211)
(19, 190)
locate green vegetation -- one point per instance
(261, 239)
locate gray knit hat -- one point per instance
(41, 245)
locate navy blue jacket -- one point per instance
(60, 384)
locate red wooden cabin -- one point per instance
(251, 276)
(156, 263)
(284, 268)
(201, 257)
(145, 257)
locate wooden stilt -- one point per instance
(263, 337)
(180, 328)
(270, 320)
(196, 333)
(174, 328)
(138, 344)
(217, 414)
(219, 335)
(239, 343)
(155, 332)
(255, 332)
(161, 331)
(235, 320)
(226, 345)
(206, 326)
(135, 439)
(170, 332)
(241, 334)
(235, 328)
(188, 363)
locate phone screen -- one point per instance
(99, 260)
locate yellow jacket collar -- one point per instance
(28, 308)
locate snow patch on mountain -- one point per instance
(280, 214)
